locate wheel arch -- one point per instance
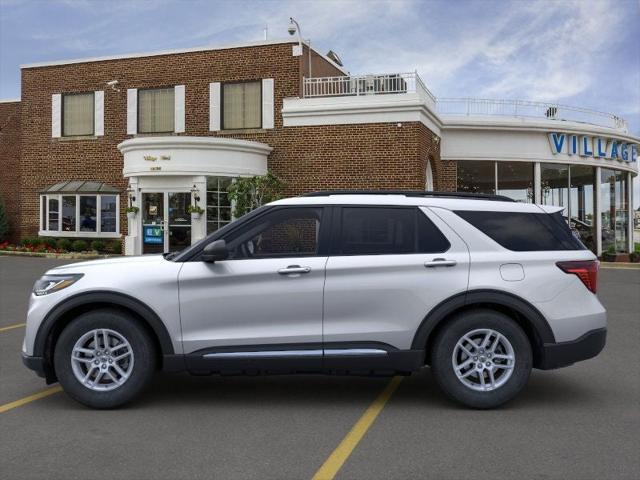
(64, 312)
(526, 315)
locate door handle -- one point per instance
(294, 269)
(440, 262)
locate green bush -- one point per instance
(115, 247)
(4, 222)
(98, 245)
(79, 246)
(64, 244)
(47, 242)
(28, 241)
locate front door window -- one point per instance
(166, 225)
(179, 221)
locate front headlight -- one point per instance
(53, 283)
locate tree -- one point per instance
(249, 193)
(4, 222)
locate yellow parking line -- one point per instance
(332, 465)
(11, 327)
(31, 398)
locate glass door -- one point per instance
(153, 225)
(179, 234)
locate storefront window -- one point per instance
(477, 176)
(77, 215)
(554, 181)
(614, 210)
(581, 204)
(218, 203)
(108, 214)
(515, 180)
(69, 213)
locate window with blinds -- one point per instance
(77, 114)
(242, 105)
(156, 110)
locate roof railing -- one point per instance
(412, 193)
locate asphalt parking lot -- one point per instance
(581, 422)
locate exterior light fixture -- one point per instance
(196, 194)
(132, 195)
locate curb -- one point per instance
(61, 256)
(620, 265)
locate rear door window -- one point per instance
(387, 231)
(524, 232)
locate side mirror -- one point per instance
(215, 251)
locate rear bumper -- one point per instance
(556, 355)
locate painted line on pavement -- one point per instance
(11, 327)
(334, 463)
(31, 398)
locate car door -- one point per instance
(389, 266)
(265, 301)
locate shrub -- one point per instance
(46, 242)
(26, 241)
(4, 222)
(98, 245)
(79, 246)
(64, 244)
(115, 247)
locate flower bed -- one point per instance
(46, 245)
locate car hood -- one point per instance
(114, 261)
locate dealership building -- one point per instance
(165, 130)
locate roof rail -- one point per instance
(412, 193)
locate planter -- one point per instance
(634, 257)
(131, 216)
(616, 257)
(195, 216)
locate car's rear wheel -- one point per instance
(481, 358)
(104, 358)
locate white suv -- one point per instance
(479, 288)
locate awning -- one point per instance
(81, 186)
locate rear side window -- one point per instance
(524, 232)
(380, 231)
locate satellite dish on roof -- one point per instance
(333, 56)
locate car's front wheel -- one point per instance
(104, 358)
(481, 358)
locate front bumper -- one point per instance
(556, 355)
(34, 363)
(40, 366)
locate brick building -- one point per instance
(164, 130)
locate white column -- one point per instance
(199, 226)
(179, 100)
(133, 239)
(630, 211)
(56, 115)
(98, 111)
(598, 213)
(214, 106)
(537, 183)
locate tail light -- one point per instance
(586, 270)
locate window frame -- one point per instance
(93, 117)
(222, 87)
(336, 230)
(324, 232)
(159, 132)
(77, 233)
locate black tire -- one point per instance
(144, 356)
(443, 349)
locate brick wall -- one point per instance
(307, 158)
(10, 161)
